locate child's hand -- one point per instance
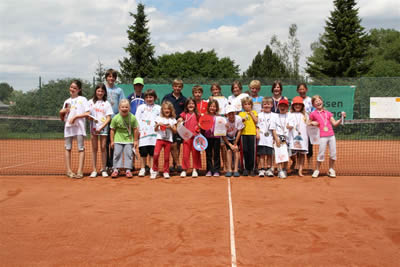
(235, 148)
(112, 144)
(343, 114)
(71, 121)
(314, 123)
(180, 120)
(136, 144)
(278, 142)
(258, 135)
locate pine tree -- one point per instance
(267, 65)
(100, 72)
(140, 61)
(343, 47)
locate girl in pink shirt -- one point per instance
(324, 119)
(190, 120)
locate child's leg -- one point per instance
(196, 156)
(68, 155)
(117, 161)
(167, 149)
(294, 160)
(300, 161)
(236, 159)
(186, 155)
(217, 156)
(128, 155)
(269, 161)
(143, 162)
(261, 164)
(94, 141)
(103, 141)
(157, 150)
(209, 152)
(81, 148)
(223, 153)
(332, 152)
(321, 153)
(229, 160)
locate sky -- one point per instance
(56, 39)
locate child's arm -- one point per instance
(135, 138)
(336, 123)
(83, 115)
(173, 128)
(253, 116)
(112, 133)
(258, 133)
(277, 141)
(108, 119)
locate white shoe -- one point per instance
(153, 174)
(104, 173)
(194, 173)
(93, 174)
(261, 173)
(281, 174)
(315, 174)
(269, 173)
(183, 174)
(166, 175)
(332, 173)
(142, 172)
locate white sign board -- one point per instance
(384, 107)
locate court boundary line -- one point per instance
(231, 227)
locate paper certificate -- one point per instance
(220, 126)
(281, 153)
(184, 132)
(313, 133)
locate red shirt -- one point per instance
(202, 107)
(191, 122)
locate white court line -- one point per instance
(22, 164)
(232, 226)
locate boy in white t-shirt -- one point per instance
(265, 139)
(146, 115)
(234, 126)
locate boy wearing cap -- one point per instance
(280, 130)
(234, 126)
(137, 97)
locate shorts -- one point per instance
(264, 150)
(232, 141)
(81, 142)
(295, 152)
(176, 138)
(145, 151)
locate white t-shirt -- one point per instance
(222, 103)
(233, 127)
(77, 105)
(279, 123)
(264, 124)
(146, 116)
(236, 101)
(167, 134)
(308, 104)
(100, 110)
(298, 138)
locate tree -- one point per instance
(289, 51)
(140, 61)
(5, 91)
(267, 65)
(384, 53)
(195, 65)
(343, 45)
(100, 72)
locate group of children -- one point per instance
(256, 127)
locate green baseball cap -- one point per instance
(138, 80)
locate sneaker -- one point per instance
(332, 173)
(172, 169)
(93, 174)
(128, 174)
(285, 172)
(142, 172)
(153, 174)
(281, 174)
(104, 173)
(147, 169)
(183, 174)
(245, 173)
(114, 174)
(269, 173)
(194, 173)
(179, 169)
(216, 174)
(78, 175)
(208, 174)
(228, 174)
(166, 175)
(253, 173)
(315, 174)
(261, 173)
(236, 174)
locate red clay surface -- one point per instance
(46, 157)
(347, 221)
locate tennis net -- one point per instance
(35, 146)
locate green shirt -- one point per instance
(120, 125)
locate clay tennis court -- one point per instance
(55, 220)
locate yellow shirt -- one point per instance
(249, 125)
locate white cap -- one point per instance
(230, 109)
